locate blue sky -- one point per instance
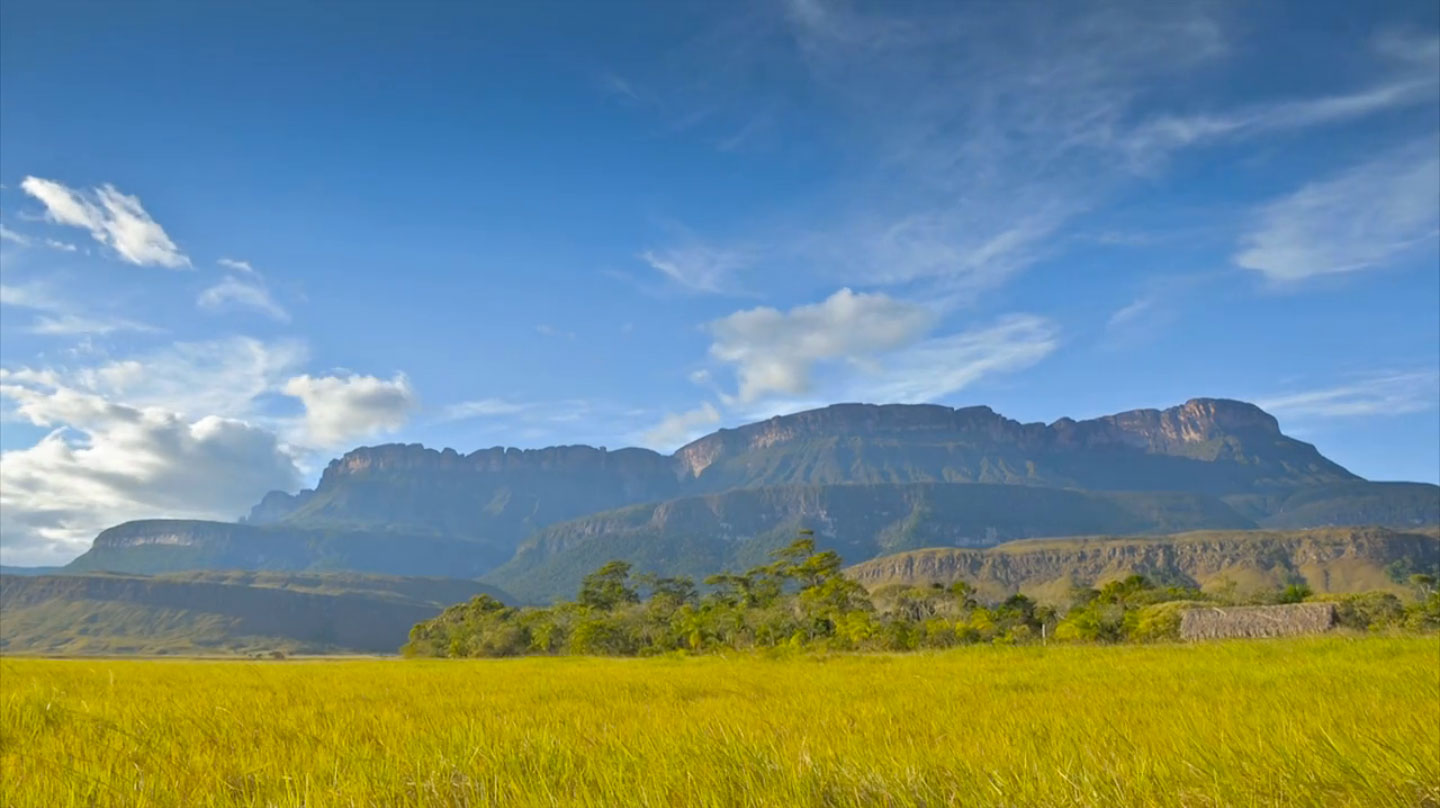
(242, 238)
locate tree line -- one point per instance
(802, 600)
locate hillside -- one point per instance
(1329, 560)
(701, 535)
(406, 509)
(219, 613)
(166, 545)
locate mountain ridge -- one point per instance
(409, 508)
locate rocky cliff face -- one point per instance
(1329, 560)
(1213, 445)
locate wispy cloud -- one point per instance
(547, 330)
(58, 317)
(237, 265)
(113, 219)
(1127, 314)
(234, 292)
(75, 324)
(1386, 394)
(698, 267)
(972, 136)
(934, 369)
(1362, 218)
(6, 234)
(480, 408)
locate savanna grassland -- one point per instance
(1316, 722)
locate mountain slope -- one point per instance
(701, 535)
(408, 509)
(166, 545)
(218, 613)
(1328, 560)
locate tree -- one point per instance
(608, 587)
(1295, 593)
(1423, 582)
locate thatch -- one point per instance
(1257, 621)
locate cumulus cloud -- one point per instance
(342, 409)
(185, 431)
(775, 351)
(233, 292)
(107, 462)
(113, 219)
(676, 429)
(1362, 218)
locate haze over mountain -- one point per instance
(868, 479)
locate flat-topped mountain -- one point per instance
(407, 508)
(1212, 445)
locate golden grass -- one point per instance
(1315, 722)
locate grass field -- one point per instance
(1319, 722)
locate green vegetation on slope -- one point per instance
(802, 599)
(218, 612)
(699, 535)
(1316, 723)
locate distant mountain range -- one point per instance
(869, 480)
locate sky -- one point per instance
(240, 239)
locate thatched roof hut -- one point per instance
(1257, 621)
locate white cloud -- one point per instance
(240, 266)
(58, 318)
(6, 234)
(969, 137)
(1131, 311)
(113, 219)
(232, 292)
(1363, 218)
(481, 408)
(341, 409)
(547, 330)
(108, 462)
(76, 324)
(1387, 394)
(185, 431)
(676, 429)
(30, 296)
(939, 367)
(775, 351)
(697, 267)
(195, 379)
